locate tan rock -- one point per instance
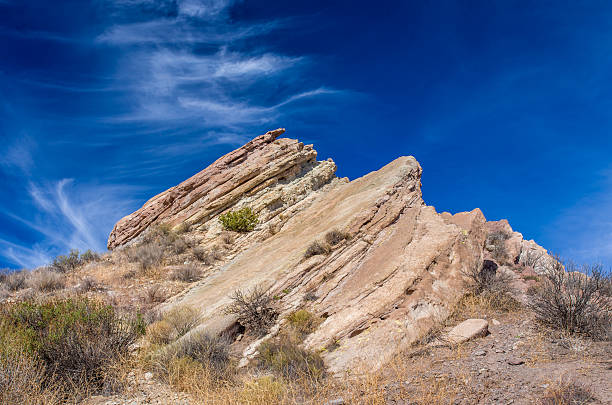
(468, 330)
(399, 273)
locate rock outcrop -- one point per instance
(399, 271)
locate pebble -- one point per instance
(515, 361)
(480, 353)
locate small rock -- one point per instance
(495, 322)
(468, 329)
(337, 401)
(480, 353)
(148, 375)
(500, 351)
(513, 361)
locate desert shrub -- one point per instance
(87, 284)
(575, 300)
(254, 310)
(89, 256)
(310, 296)
(147, 255)
(335, 236)
(155, 293)
(210, 351)
(487, 279)
(178, 245)
(68, 263)
(288, 359)
(182, 319)
(22, 376)
(532, 258)
(75, 339)
(496, 244)
(316, 248)
(242, 220)
(184, 227)
(566, 393)
(15, 280)
(303, 322)
(205, 256)
(46, 280)
(160, 332)
(227, 238)
(187, 273)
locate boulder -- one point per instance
(468, 330)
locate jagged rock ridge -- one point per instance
(399, 273)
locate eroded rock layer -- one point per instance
(400, 270)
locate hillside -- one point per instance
(296, 286)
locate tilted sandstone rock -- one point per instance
(400, 271)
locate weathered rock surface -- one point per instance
(468, 330)
(399, 273)
(264, 164)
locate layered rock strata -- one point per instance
(399, 271)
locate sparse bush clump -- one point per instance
(316, 248)
(212, 352)
(185, 227)
(303, 322)
(288, 359)
(207, 257)
(147, 255)
(15, 280)
(44, 279)
(227, 238)
(336, 236)
(154, 294)
(187, 273)
(182, 319)
(254, 310)
(575, 300)
(566, 393)
(490, 287)
(68, 263)
(75, 339)
(496, 244)
(242, 220)
(89, 256)
(178, 245)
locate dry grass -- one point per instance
(566, 392)
(182, 319)
(254, 310)
(187, 273)
(575, 300)
(46, 280)
(16, 280)
(316, 248)
(335, 237)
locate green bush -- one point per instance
(75, 339)
(288, 359)
(65, 264)
(243, 220)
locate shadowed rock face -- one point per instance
(379, 290)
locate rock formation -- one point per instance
(398, 271)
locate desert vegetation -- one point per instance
(577, 300)
(242, 220)
(254, 310)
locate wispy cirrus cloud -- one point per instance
(68, 216)
(180, 79)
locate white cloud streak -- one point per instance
(67, 216)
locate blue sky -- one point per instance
(104, 103)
